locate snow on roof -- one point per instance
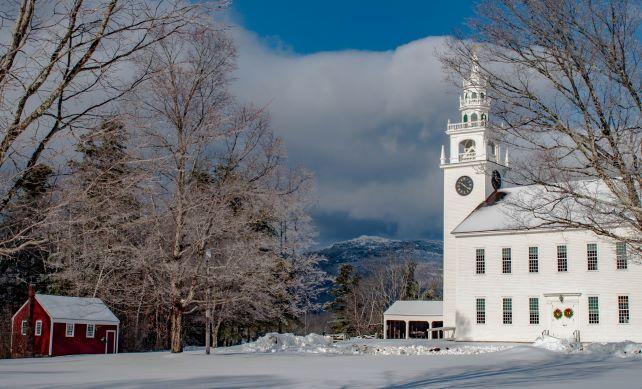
(504, 209)
(496, 216)
(76, 308)
(416, 308)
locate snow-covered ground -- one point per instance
(312, 361)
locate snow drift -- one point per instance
(620, 349)
(318, 344)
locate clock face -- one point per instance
(496, 180)
(464, 185)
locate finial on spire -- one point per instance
(443, 154)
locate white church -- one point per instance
(503, 283)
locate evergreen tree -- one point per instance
(411, 286)
(99, 226)
(344, 284)
(27, 265)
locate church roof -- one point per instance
(504, 210)
(416, 308)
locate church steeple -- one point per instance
(472, 171)
(469, 140)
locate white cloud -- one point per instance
(370, 124)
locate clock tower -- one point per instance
(472, 171)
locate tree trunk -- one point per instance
(215, 334)
(177, 329)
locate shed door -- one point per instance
(110, 346)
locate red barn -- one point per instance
(62, 325)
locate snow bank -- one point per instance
(274, 342)
(379, 349)
(317, 344)
(621, 349)
(555, 344)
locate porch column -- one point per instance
(407, 329)
(385, 328)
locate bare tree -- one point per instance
(219, 183)
(386, 282)
(62, 64)
(565, 80)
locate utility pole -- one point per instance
(208, 309)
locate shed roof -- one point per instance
(416, 308)
(76, 308)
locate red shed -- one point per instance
(62, 325)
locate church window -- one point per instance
(473, 117)
(507, 310)
(533, 309)
(480, 261)
(465, 118)
(483, 116)
(591, 256)
(467, 150)
(533, 260)
(623, 309)
(620, 253)
(474, 95)
(481, 95)
(23, 327)
(562, 258)
(38, 328)
(506, 260)
(593, 310)
(480, 305)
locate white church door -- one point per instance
(563, 316)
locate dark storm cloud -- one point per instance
(369, 124)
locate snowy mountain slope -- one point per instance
(365, 250)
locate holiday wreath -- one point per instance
(568, 313)
(557, 313)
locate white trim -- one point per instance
(35, 328)
(43, 307)
(472, 162)
(18, 311)
(73, 330)
(107, 340)
(561, 294)
(514, 231)
(83, 321)
(117, 334)
(51, 329)
(93, 331)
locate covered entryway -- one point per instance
(563, 311)
(439, 334)
(413, 320)
(396, 329)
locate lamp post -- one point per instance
(208, 310)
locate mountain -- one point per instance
(364, 251)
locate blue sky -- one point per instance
(331, 25)
(356, 91)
